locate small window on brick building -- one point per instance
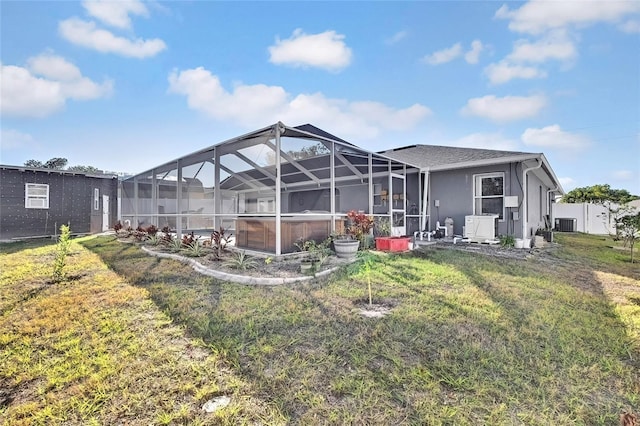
(36, 196)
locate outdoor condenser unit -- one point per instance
(481, 228)
(565, 224)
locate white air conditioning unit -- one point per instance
(481, 228)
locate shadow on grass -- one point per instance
(153, 273)
(475, 340)
(17, 246)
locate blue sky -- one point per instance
(125, 86)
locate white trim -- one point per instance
(476, 196)
(96, 199)
(37, 200)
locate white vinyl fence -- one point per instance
(589, 218)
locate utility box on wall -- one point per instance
(511, 201)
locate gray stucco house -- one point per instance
(279, 184)
(519, 187)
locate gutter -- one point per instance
(525, 218)
(551, 219)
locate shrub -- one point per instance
(240, 260)
(153, 239)
(175, 245)
(194, 249)
(507, 240)
(629, 229)
(219, 240)
(188, 239)
(359, 226)
(139, 234)
(62, 250)
(151, 230)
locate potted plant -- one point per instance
(359, 226)
(547, 234)
(346, 246)
(307, 264)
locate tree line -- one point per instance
(60, 163)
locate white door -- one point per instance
(105, 212)
(398, 204)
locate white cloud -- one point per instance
(444, 55)
(115, 13)
(631, 26)
(473, 55)
(554, 137)
(623, 174)
(39, 90)
(508, 108)
(558, 48)
(325, 50)
(12, 139)
(86, 34)
(253, 105)
(54, 67)
(503, 72)
(396, 37)
(567, 183)
(538, 16)
(486, 141)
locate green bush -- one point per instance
(62, 250)
(507, 240)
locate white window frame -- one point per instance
(266, 204)
(96, 199)
(33, 198)
(480, 196)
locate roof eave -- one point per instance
(503, 160)
(480, 163)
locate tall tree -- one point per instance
(614, 200)
(34, 163)
(598, 194)
(84, 169)
(57, 163)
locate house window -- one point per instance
(488, 194)
(36, 196)
(96, 199)
(266, 205)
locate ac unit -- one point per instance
(481, 228)
(565, 224)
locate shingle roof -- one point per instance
(429, 156)
(310, 128)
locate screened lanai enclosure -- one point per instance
(273, 187)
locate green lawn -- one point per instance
(471, 339)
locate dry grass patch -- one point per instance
(96, 350)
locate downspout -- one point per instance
(525, 216)
(548, 201)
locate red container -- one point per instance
(392, 243)
(382, 243)
(399, 244)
